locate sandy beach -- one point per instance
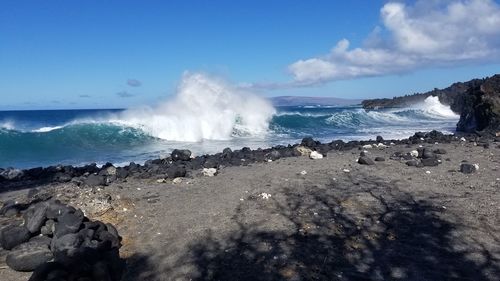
(302, 219)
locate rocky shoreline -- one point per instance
(181, 164)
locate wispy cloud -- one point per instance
(134, 83)
(84, 96)
(124, 94)
(425, 34)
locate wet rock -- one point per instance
(35, 217)
(468, 168)
(11, 236)
(380, 139)
(181, 154)
(29, 256)
(363, 160)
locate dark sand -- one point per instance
(382, 222)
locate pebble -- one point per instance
(303, 173)
(346, 170)
(265, 195)
(315, 155)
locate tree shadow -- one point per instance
(360, 229)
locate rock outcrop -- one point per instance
(477, 101)
(481, 109)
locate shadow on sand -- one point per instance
(355, 230)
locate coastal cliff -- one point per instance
(477, 101)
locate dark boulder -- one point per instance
(68, 223)
(379, 159)
(11, 236)
(56, 208)
(35, 217)
(176, 171)
(309, 142)
(29, 256)
(363, 160)
(380, 139)
(181, 154)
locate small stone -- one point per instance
(467, 168)
(209, 172)
(427, 172)
(161, 180)
(303, 173)
(177, 180)
(414, 153)
(346, 170)
(363, 160)
(265, 195)
(181, 154)
(315, 155)
(367, 146)
(379, 159)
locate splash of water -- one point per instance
(203, 108)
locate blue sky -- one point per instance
(109, 54)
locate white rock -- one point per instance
(427, 172)
(463, 139)
(265, 195)
(161, 181)
(303, 173)
(414, 153)
(381, 145)
(476, 166)
(346, 170)
(315, 155)
(367, 146)
(177, 180)
(209, 172)
(392, 143)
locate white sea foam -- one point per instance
(8, 125)
(203, 108)
(47, 129)
(432, 106)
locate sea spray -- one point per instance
(204, 108)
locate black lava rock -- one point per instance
(11, 236)
(68, 223)
(176, 171)
(95, 180)
(363, 160)
(379, 159)
(35, 217)
(29, 256)
(429, 162)
(380, 139)
(412, 163)
(467, 168)
(181, 154)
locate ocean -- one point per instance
(205, 115)
(78, 137)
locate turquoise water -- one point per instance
(76, 137)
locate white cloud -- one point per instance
(425, 34)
